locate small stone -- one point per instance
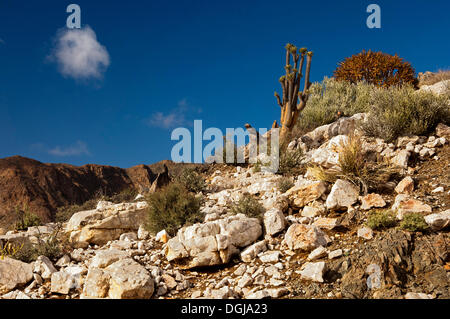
(44, 267)
(406, 186)
(250, 253)
(142, 233)
(245, 281)
(313, 271)
(240, 270)
(418, 295)
(401, 159)
(270, 257)
(128, 237)
(63, 261)
(438, 190)
(305, 237)
(318, 253)
(162, 236)
(309, 211)
(306, 193)
(162, 290)
(372, 200)
(62, 282)
(261, 294)
(405, 205)
(326, 223)
(335, 254)
(259, 280)
(104, 258)
(365, 232)
(196, 294)
(276, 282)
(438, 221)
(169, 281)
(38, 279)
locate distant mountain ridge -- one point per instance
(43, 187)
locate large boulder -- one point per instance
(129, 280)
(443, 130)
(327, 155)
(439, 221)
(322, 134)
(274, 221)
(212, 243)
(123, 279)
(405, 205)
(343, 195)
(13, 274)
(406, 186)
(305, 193)
(105, 223)
(438, 88)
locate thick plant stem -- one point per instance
(293, 101)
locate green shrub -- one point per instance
(285, 184)
(330, 97)
(63, 214)
(290, 161)
(381, 219)
(126, 195)
(414, 222)
(248, 206)
(172, 207)
(10, 250)
(192, 180)
(393, 111)
(26, 219)
(52, 246)
(404, 111)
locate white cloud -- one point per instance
(166, 121)
(79, 55)
(79, 148)
(176, 117)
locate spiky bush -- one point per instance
(329, 99)
(10, 250)
(172, 207)
(26, 219)
(402, 111)
(192, 180)
(290, 161)
(52, 246)
(414, 222)
(377, 68)
(381, 219)
(249, 206)
(284, 184)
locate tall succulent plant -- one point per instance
(293, 100)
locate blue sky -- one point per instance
(165, 63)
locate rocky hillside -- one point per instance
(313, 240)
(361, 217)
(41, 188)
